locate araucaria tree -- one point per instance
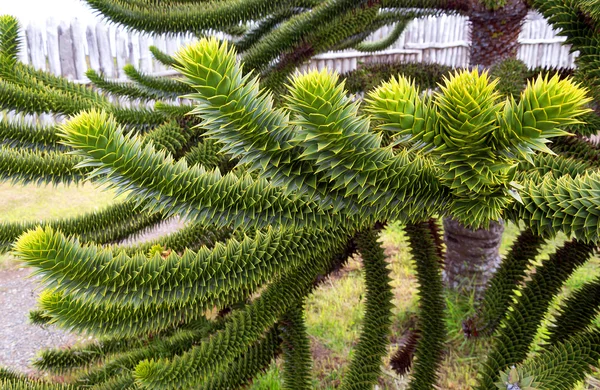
(289, 33)
(279, 195)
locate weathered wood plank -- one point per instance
(37, 50)
(79, 57)
(122, 51)
(133, 50)
(172, 45)
(65, 50)
(145, 56)
(107, 65)
(160, 43)
(92, 41)
(52, 47)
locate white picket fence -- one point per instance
(69, 49)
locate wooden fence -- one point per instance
(69, 49)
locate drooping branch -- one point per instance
(432, 329)
(516, 332)
(364, 369)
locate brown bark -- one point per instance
(494, 34)
(472, 256)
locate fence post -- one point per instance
(145, 58)
(35, 43)
(92, 43)
(65, 50)
(122, 52)
(79, 57)
(52, 46)
(107, 66)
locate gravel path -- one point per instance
(20, 340)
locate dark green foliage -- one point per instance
(576, 313)
(243, 327)
(31, 91)
(432, 328)
(162, 57)
(188, 189)
(181, 113)
(511, 273)
(542, 202)
(8, 374)
(264, 27)
(168, 88)
(512, 76)
(384, 42)
(367, 77)
(172, 138)
(27, 91)
(19, 134)
(33, 166)
(516, 332)
(318, 37)
(118, 367)
(63, 360)
(577, 148)
(557, 166)
(565, 364)
(184, 17)
(287, 34)
(39, 317)
(88, 301)
(575, 20)
(590, 125)
(241, 371)
(117, 88)
(364, 368)
(10, 380)
(27, 384)
(9, 44)
(293, 33)
(193, 236)
(123, 382)
(207, 154)
(28, 100)
(296, 349)
(563, 73)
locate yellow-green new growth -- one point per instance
(478, 138)
(545, 108)
(515, 379)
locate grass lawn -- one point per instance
(31, 202)
(335, 310)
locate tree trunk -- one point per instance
(494, 34)
(472, 256)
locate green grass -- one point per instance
(31, 202)
(335, 310)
